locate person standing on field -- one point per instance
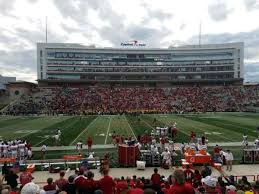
(89, 144)
(229, 158)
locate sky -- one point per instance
(158, 23)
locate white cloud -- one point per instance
(108, 22)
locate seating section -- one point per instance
(93, 100)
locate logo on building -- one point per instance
(134, 43)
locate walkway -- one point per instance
(107, 146)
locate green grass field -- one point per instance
(219, 127)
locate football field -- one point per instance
(38, 130)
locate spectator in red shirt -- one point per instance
(135, 190)
(165, 187)
(189, 175)
(61, 181)
(25, 177)
(106, 183)
(89, 144)
(156, 180)
(80, 182)
(90, 184)
(133, 180)
(50, 187)
(121, 186)
(179, 184)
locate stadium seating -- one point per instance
(100, 100)
(84, 182)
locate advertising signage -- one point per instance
(133, 43)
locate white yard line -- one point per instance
(130, 127)
(147, 124)
(41, 142)
(83, 131)
(109, 126)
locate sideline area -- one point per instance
(105, 146)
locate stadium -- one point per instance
(133, 107)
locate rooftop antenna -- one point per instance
(200, 35)
(46, 28)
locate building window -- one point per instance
(41, 68)
(40, 53)
(41, 75)
(41, 61)
(238, 74)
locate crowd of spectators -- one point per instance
(180, 182)
(114, 100)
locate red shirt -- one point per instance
(25, 178)
(89, 142)
(107, 184)
(165, 190)
(155, 178)
(174, 131)
(91, 185)
(121, 186)
(80, 181)
(51, 187)
(216, 150)
(60, 183)
(162, 141)
(188, 175)
(185, 188)
(193, 135)
(135, 191)
(197, 177)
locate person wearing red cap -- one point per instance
(106, 183)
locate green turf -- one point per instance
(219, 127)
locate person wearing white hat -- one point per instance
(231, 188)
(210, 184)
(30, 188)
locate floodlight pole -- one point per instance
(46, 28)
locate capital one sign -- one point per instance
(133, 43)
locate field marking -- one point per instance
(148, 124)
(108, 130)
(41, 142)
(83, 131)
(201, 130)
(130, 127)
(25, 135)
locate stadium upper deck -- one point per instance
(77, 64)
